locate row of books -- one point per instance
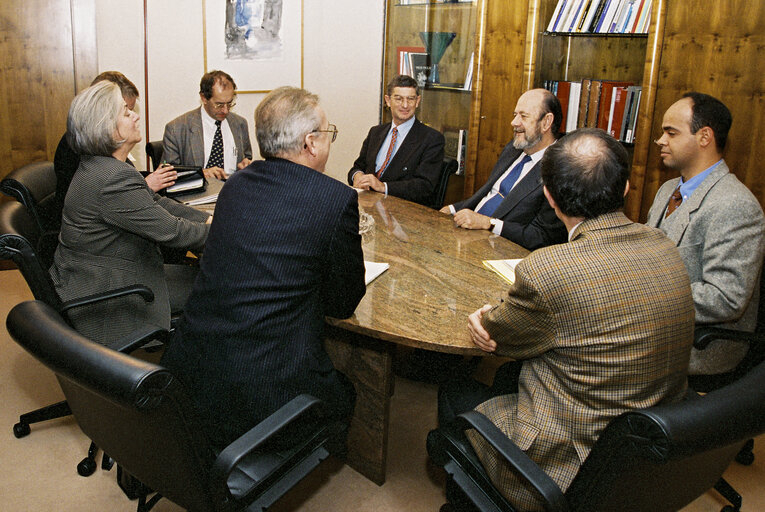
(601, 16)
(610, 105)
(420, 2)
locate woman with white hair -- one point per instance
(113, 223)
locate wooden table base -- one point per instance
(368, 363)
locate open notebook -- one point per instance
(505, 268)
(372, 270)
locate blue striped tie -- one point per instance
(490, 206)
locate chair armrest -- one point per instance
(517, 458)
(231, 456)
(703, 336)
(143, 291)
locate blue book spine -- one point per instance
(576, 15)
(560, 13)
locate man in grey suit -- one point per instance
(511, 202)
(211, 137)
(716, 223)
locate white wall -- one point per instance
(342, 64)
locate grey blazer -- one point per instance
(111, 229)
(184, 138)
(720, 232)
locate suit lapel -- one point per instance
(523, 188)
(678, 227)
(198, 140)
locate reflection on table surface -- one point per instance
(435, 280)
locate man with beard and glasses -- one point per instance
(511, 203)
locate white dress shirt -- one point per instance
(230, 158)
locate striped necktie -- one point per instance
(393, 137)
(490, 206)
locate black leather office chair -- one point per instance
(660, 458)
(448, 168)
(154, 151)
(139, 413)
(704, 335)
(19, 235)
(34, 186)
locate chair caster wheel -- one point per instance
(21, 430)
(86, 467)
(744, 458)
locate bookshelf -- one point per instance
(720, 53)
(447, 104)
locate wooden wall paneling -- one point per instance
(645, 131)
(36, 78)
(503, 71)
(720, 53)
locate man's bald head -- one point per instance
(586, 173)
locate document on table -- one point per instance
(208, 196)
(373, 269)
(505, 268)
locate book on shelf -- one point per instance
(404, 66)
(556, 15)
(584, 103)
(461, 151)
(592, 108)
(469, 75)
(618, 104)
(420, 66)
(575, 91)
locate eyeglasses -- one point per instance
(400, 100)
(331, 128)
(219, 106)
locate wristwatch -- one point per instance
(493, 222)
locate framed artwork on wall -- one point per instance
(258, 42)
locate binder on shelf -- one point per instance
(606, 97)
(584, 103)
(594, 104)
(618, 104)
(573, 106)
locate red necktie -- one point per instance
(674, 202)
(393, 136)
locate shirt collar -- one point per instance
(404, 127)
(207, 119)
(688, 187)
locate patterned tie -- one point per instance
(393, 136)
(216, 153)
(674, 202)
(490, 206)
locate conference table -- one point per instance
(435, 280)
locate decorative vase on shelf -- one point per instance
(436, 44)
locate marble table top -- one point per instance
(435, 280)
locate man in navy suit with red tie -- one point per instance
(511, 203)
(402, 158)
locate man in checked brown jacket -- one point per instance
(601, 324)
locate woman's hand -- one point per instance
(163, 177)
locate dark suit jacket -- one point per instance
(284, 251)
(183, 142)
(415, 169)
(111, 230)
(528, 219)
